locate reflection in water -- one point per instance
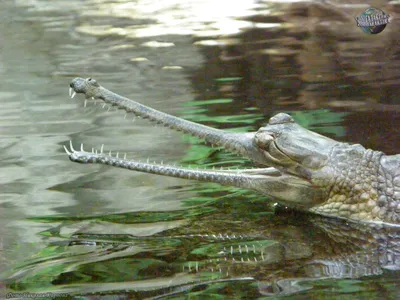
(297, 254)
(99, 230)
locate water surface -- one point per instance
(94, 230)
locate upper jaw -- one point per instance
(78, 84)
(87, 86)
(250, 147)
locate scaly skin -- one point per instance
(308, 171)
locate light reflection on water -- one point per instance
(268, 56)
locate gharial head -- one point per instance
(356, 183)
(310, 171)
(291, 148)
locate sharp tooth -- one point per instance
(70, 146)
(66, 150)
(70, 91)
(73, 95)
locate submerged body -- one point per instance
(303, 169)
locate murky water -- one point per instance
(94, 230)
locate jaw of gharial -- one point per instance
(240, 143)
(292, 153)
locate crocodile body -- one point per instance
(303, 169)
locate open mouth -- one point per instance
(261, 145)
(115, 159)
(274, 181)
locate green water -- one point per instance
(89, 231)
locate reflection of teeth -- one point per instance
(70, 91)
(73, 95)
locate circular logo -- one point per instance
(373, 20)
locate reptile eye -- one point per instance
(89, 79)
(280, 118)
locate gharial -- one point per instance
(306, 171)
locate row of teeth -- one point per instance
(72, 150)
(72, 93)
(94, 151)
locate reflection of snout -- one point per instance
(263, 139)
